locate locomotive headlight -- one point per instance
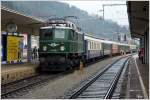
(44, 48)
(62, 48)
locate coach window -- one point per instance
(100, 46)
(91, 44)
(88, 45)
(96, 46)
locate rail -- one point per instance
(103, 84)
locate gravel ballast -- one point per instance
(60, 86)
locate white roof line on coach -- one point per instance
(104, 41)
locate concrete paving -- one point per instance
(144, 72)
(138, 80)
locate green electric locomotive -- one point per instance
(60, 46)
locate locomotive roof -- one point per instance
(46, 27)
(104, 41)
(61, 27)
(61, 22)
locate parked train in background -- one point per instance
(63, 46)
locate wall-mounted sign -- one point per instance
(13, 48)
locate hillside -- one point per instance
(49, 9)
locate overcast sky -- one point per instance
(115, 13)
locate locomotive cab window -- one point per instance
(59, 33)
(46, 33)
(80, 37)
(76, 36)
(71, 35)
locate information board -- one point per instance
(13, 49)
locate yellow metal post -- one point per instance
(81, 67)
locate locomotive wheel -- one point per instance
(38, 69)
(77, 62)
(71, 63)
(68, 64)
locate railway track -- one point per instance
(10, 89)
(103, 84)
(15, 88)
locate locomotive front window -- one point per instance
(60, 33)
(46, 33)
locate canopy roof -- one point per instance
(18, 18)
(138, 13)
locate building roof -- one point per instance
(18, 18)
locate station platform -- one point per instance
(17, 71)
(138, 79)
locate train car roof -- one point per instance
(89, 37)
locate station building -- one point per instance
(26, 26)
